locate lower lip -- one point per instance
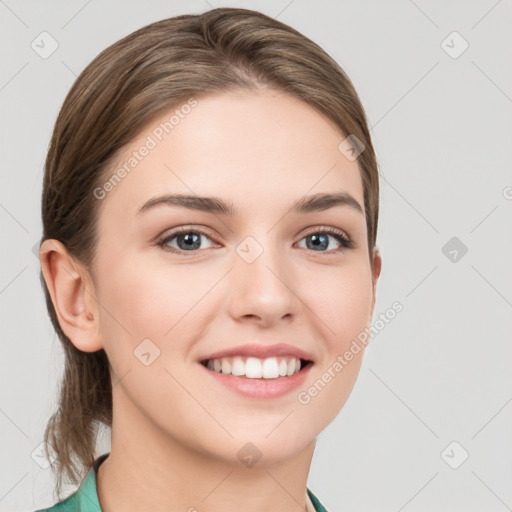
(261, 388)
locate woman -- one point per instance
(210, 208)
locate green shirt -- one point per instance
(85, 499)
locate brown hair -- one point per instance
(128, 85)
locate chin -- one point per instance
(271, 449)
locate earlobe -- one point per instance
(72, 294)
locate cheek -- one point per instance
(342, 300)
(343, 308)
(150, 301)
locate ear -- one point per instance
(72, 292)
(377, 266)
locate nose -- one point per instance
(264, 289)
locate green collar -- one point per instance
(85, 498)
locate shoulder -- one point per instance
(69, 504)
(316, 502)
(85, 498)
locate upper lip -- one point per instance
(261, 351)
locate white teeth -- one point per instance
(291, 367)
(283, 367)
(238, 367)
(255, 368)
(226, 366)
(271, 369)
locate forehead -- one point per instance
(261, 148)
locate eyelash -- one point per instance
(340, 236)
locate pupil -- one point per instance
(190, 239)
(317, 243)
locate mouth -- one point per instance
(258, 368)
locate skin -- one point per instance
(175, 438)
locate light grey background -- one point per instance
(442, 128)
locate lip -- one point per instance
(261, 352)
(260, 388)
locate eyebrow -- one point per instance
(215, 205)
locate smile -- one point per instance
(257, 378)
(256, 368)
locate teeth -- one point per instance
(255, 368)
(226, 366)
(238, 367)
(271, 368)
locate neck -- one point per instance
(147, 469)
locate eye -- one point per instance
(320, 240)
(187, 240)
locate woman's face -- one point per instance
(177, 283)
